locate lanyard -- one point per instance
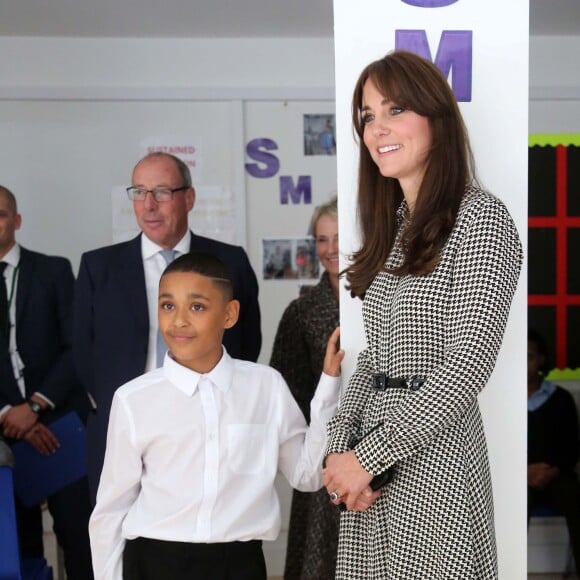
(17, 364)
(12, 287)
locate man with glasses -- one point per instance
(115, 329)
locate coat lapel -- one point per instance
(25, 280)
(131, 276)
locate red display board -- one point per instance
(554, 248)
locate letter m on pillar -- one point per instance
(296, 193)
(454, 54)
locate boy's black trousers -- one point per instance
(148, 559)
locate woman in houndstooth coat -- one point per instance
(437, 269)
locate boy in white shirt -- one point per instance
(193, 448)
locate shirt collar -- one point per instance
(13, 256)
(149, 248)
(537, 399)
(187, 380)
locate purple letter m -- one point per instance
(453, 54)
(302, 190)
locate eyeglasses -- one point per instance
(158, 193)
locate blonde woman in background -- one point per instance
(298, 354)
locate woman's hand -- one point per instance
(334, 354)
(345, 480)
(366, 499)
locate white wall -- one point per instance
(554, 85)
(240, 68)
(554, 63)
(31, 65)
(102, 66)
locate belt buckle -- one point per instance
(380, 381)
(415, 383)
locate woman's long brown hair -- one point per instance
(417, 84)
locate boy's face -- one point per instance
(193, 314)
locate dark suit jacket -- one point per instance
(44, 300)
(111, 324)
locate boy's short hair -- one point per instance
(207, 265)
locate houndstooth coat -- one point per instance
(434, 520)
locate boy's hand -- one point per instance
(334, 354)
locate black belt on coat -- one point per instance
(381, 382)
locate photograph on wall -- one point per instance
(319, 135)
(287, 259)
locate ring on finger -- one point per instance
(334, 496)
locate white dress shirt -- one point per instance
(154, 264)
(193, 458)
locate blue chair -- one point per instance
(9, 558)
(10, 566)
(36, 569)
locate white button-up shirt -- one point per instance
(193, 458)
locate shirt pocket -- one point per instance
(246, 448)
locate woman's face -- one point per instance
(326, 232)
(398, 139)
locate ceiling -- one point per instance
(215, 18)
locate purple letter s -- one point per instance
(271, 162)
